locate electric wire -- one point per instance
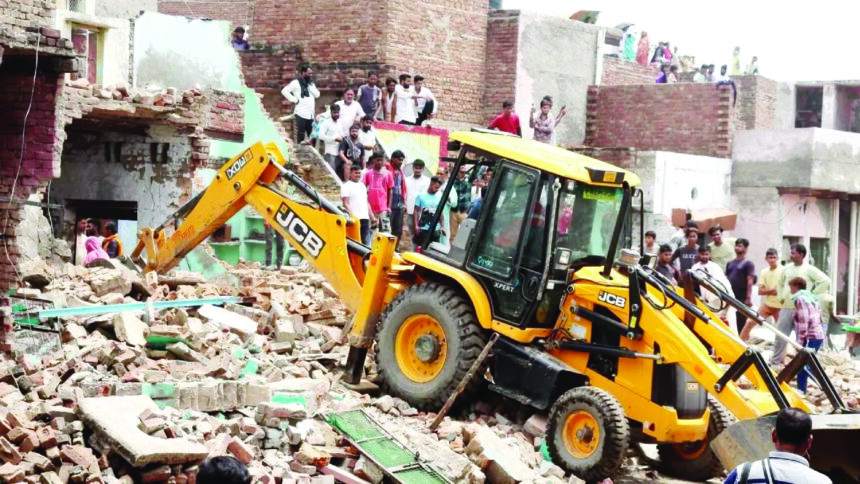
(21, 160)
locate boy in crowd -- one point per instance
(664, 264)
(768, 289)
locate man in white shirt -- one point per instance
(302, 92)
(331, 136)
(415, 185)
(426, 104)
(81, 241)
(354, 197)
(404, 104)
(351, 112)
(367, 137)
(707, 266)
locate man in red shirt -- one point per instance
(507, 121)
(379, 183)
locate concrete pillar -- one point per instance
(598, 57)
(852, 262)
(829, 108)
(834, 247)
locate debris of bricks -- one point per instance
(146, 395)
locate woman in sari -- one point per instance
(644, 49)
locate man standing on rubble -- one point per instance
(302, 92)
(816, 281)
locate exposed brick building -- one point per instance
(43, 112)
(443, 40)
(31, 128)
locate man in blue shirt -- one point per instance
(425, 209)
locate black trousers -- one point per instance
(303, 128)
(397, 222)
(427, 111)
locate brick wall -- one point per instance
(756, 103)
(237, 12)
(618, 72)
(17, 15)
(443, 40)
(685, 118)
(501, 59)
(40, 160)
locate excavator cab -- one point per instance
(520, 241)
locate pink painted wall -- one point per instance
(813, 222)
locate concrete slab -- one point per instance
(115, 419)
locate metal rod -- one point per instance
(468, 376)
(30, 203)
(616, 232)
(141, 306)
(606, 350)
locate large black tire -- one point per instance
(696, 461)
(600, 409)
(463, 341)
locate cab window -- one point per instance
(505, 220)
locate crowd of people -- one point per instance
(636, 47)
(384, 199)
(795, 295)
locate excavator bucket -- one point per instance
(833, 452)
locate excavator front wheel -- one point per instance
(696, 461)
(588, 433)
(427, 339)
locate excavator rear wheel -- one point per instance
(588, 433)
(695, 461)
(427, 339)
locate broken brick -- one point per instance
(8, 452)
(47, 437)
(241, 450)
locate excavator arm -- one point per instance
(323, 234)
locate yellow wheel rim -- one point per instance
(420, 348)
(691, 450)
(581, 434)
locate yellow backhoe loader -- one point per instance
(616, 353)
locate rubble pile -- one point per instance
(145, 395)
(843, 370)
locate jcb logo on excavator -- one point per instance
(238, 164)
(299, 230)
(610, 298)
